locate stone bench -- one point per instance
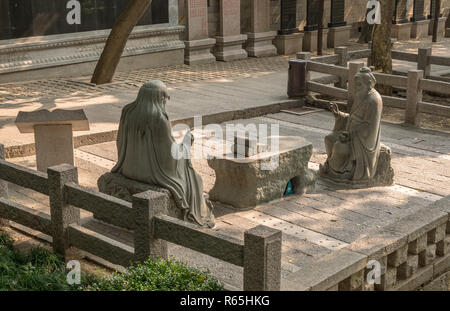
(123, 188)
(243, 183)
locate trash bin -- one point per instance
(297, 78)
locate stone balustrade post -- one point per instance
(146, 205)
(342, 52)
(413, 96)
(3, 188)
(423, 61)
(62, 214)
(262, 259)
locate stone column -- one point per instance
(230, 40)
(312, 26)
(419, 28)
(413, 97)
(401, 28)
(146, 205)
(3, 188)
(289, 39)
(62, 214)
(173, 12)
(197, 45)
(339, 32)
(262, 259)
(260, 37)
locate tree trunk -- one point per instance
(381, 39)
(381, 57)
(107, 64)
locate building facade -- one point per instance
(58, 38)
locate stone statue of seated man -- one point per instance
(146, 148)
(354, 147)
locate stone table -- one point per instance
(52, 134)
(243, 181)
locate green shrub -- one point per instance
(43, 270)
(158, 275)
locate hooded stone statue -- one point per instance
(148, 153)
(353, 148)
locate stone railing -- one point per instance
(423, 58)
(259, 254)
(343, 79)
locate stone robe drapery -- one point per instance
(363, 147)
(147, 157)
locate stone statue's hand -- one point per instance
(344, 137)
(334, 108)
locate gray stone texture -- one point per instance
(3, 187)
(243, 182)
(62, 214)
(262, 259)
(146, 205)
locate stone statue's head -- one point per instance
(150, 105)
(364, 80)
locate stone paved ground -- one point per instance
(315, 224)
(196, 90)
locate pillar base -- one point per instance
(310, 40)
(289, 44)
(260, 44)
(419, 29)
(338, 36)
(230, 48)
(199, 51)
(401, 32)
(441, 26)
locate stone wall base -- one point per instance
(338, 36)
(230, 48)
(310, 40)
(76, 54)
(401, 32)
(419, 29)
(289, 44)
(447, 32)
(441, 26)
(260, 44)
(199, 51)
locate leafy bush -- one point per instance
(43, 270)
(158, 275)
